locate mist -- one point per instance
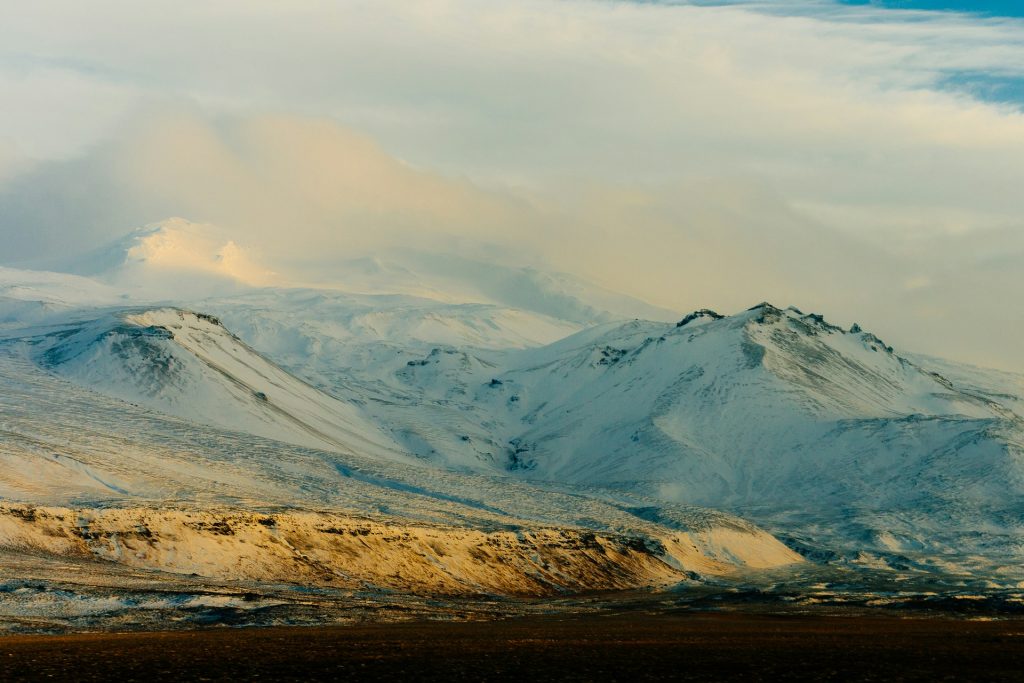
(670, 152)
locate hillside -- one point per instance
(827, 435)
(87, 476)
(450, 439)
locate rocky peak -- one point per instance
(696, 315)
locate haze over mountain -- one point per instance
(669, 151)
(287, 331)
(410, 404)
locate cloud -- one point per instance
(690, 155)
(298, 187)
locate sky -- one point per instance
(861, 159)
(998, 8)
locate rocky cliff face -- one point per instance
(345, 552)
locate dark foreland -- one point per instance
(614, 647)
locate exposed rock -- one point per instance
(340, 551)
(763, 304)
(702, 313)
(817, 320)
(876, 344)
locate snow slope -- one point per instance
(189, 365)
(458, 279)
(432, 392)
(824, 434)
(314, 325)
(29, 297)
(84, 475)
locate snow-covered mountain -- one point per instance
(84, 475)
(432, 390)
(189, 365)
(30, 297)
(180, 261)
(458, 279)
(174, 258)
(770, 413)
(828, 436)
(780, 416)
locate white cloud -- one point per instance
(690, 155)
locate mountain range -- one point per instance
(430, 422)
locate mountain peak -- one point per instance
(178, 244)
(162, 258)
(764, 305)
(698, 314)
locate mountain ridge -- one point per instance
(700, 449)
(767, 413)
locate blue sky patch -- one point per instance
(1002, 8)
(1005, 86)
(989, 87)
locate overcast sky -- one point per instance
(852, 158)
